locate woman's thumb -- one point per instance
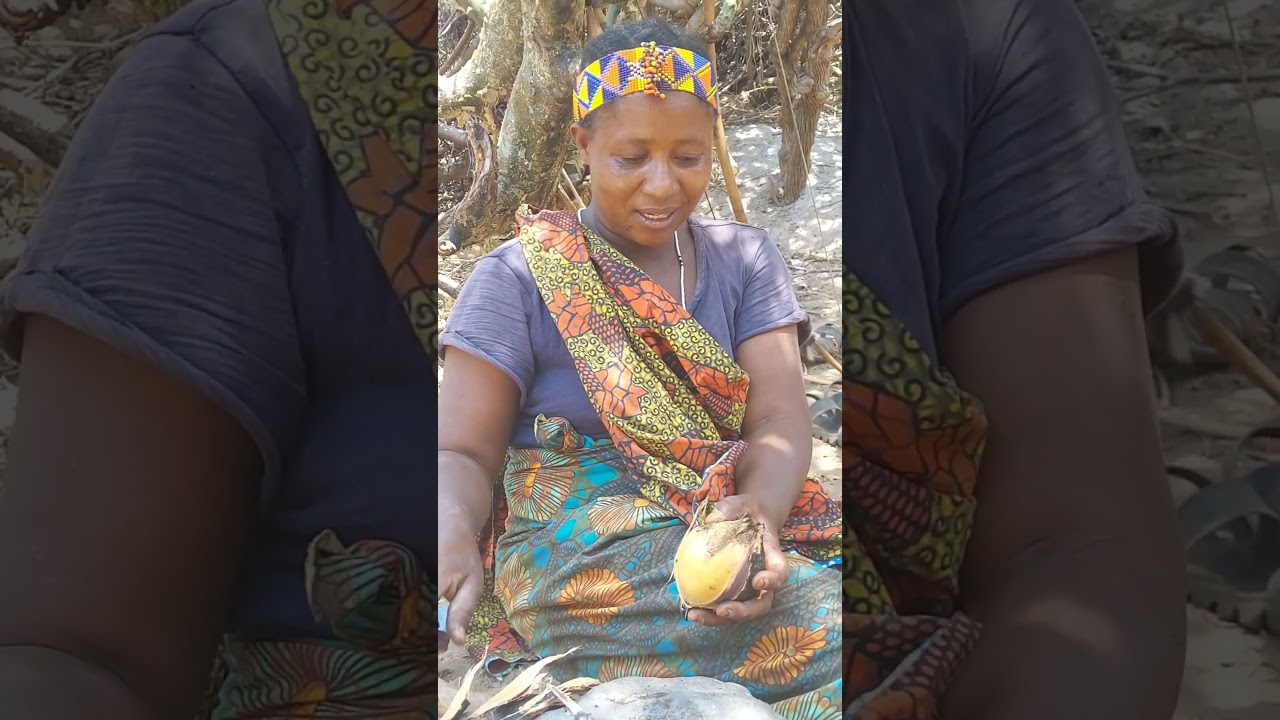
(732, 507)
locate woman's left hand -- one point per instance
(767, 582)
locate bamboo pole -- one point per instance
(722, 144)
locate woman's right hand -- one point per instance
(461, 578)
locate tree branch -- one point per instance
(487, 76)
(482, 194)
(34, 126)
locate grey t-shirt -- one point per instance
(743, 289)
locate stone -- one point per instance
(694, 698)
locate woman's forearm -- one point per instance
(465, 491)
(42, 684)
(775, 465)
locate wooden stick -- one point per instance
(449, 286)
(569, 204)
(565, 174)
(33, 125)
(1233, 350)
(722, 144)
(817, 343)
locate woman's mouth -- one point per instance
(657, 219)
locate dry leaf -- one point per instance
(539, 703)
(520, 686)
(578, 684)
(461, 697)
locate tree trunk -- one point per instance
(537, 42)
(478, 88)
(804, 72)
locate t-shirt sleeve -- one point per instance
(769, 296)
(491, 320)
(1048, 176)
(161, 236)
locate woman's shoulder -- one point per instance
(729, 236)
(733, 246)
(236, 38)
(508, 261)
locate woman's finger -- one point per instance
(743, 610)
(463, 605)
(708, 618)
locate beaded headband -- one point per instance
(651, 68)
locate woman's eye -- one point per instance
(633, 159)
(690, 160)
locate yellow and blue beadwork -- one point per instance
(651, 68)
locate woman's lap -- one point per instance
(598, 578)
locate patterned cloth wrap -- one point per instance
(352, 60)
(579, 551)
(651, 68)
(913, 441)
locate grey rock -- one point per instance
(695, 698)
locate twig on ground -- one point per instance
(1199, 79)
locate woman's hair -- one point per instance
(631, 35)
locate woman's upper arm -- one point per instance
(1049, 258)
(765, 328)
(489, 364)
(161, 376)
(772, 361)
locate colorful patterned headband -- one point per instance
(651, 68)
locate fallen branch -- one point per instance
(452, 134)
(34, 126)
(1206, 79)
(1184, 419)
(14, 155)
(449, 286)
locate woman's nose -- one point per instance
(660, 181)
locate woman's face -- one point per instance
(650, 162)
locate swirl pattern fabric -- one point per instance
(913, 442)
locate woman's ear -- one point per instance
(581, 137)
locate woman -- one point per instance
(1012, 552)
(626, 372)
(223, 405)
